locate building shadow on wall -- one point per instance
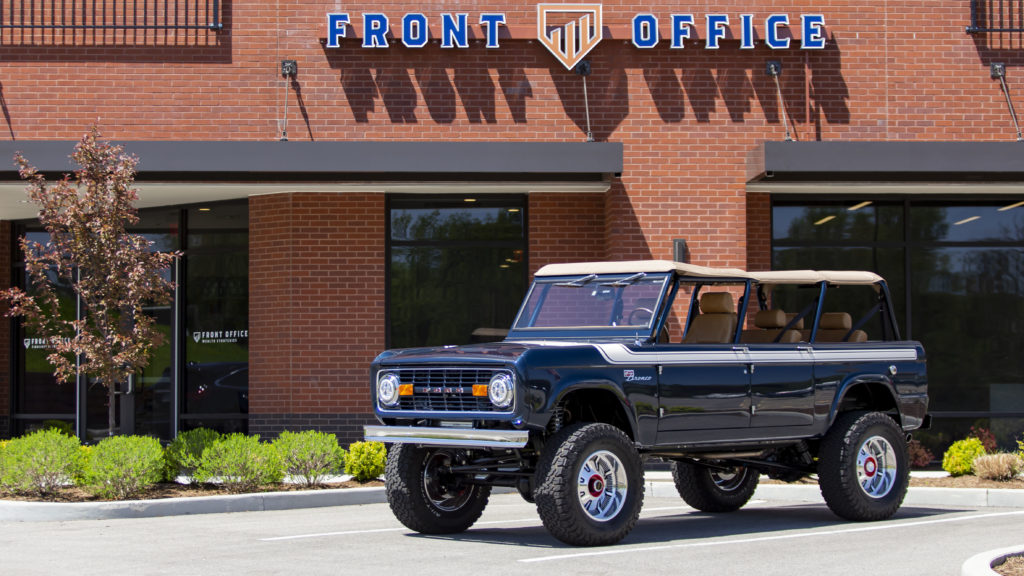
(701, 80)
(185, 31)
(607, 91)
(398, 79)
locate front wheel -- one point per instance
(425, 496)
(590, 485)
(863, 471)
(714, 489)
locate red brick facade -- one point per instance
(688, 120)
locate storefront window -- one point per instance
(457, 269)
(198, 376)
(956, 270)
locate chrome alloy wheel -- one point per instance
(440, 488)
(730, 479)
(602, 486)
(876, 467)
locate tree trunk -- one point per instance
(111, 408)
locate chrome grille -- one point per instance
(445, 389)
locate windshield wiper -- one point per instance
(577, 283)
(625, 281)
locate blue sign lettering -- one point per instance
(747, 34)
(771, 25)
(717, 24)
(813, 31)
(336, 24)
(375, 31)
(490, 22)
(414, 30)
(645, 31)
(454, 31)
(681, 24)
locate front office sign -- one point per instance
(570, 31)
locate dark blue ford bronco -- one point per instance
(786, 373)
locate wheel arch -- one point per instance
(874, 394)
(595, 402)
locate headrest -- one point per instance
(799, 323)
(770, 319)
(835, 321)
(716, 303)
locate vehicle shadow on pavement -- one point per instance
(693, 525)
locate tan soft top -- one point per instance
(692, 270)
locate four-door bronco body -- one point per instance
(596, 375)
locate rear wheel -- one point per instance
(425, 496)
(590, 485)
(714, 489)
(863, 469)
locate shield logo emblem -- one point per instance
(569, 31)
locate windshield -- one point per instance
(593, 301)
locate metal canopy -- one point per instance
(887, 167)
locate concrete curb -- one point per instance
(981, 564)
(658, 487)
(61, 511)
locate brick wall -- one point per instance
(316, 290)
(5, 333)
(687, 119)
(565, 228)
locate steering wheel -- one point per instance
(640, 310)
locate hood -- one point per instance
(489, 352)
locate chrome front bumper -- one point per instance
(462, 437)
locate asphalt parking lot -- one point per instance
(763, 538)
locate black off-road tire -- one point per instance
(711, 490)
(860, 448)
(583, 451)
(408, 493)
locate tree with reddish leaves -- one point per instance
(113, 273)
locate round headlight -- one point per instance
(501, 391)
(387, 389)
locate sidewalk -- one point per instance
(659, 485)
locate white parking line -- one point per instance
(888, 526)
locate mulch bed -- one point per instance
(170, 490)
(1013, 566)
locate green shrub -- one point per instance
(365, 460)
(122, 466)
(240, 463)
(40, 462)
(1000, 467)
(310, 455)
(62, 426)
(959, 458)
(185, 453)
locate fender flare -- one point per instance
(874, 384)
(602, 386)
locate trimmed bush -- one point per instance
(122, 466)
(185, 453)
(62, 426)
(988, 439)
(366, 460)
(240, 463)
(40, 463)
(998, 466)
(310, 455)
(959, 458)
(920, 455)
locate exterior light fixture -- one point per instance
(774, 69)
(998, 71)
(583, 69)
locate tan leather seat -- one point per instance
(834, 326)
(770, 324)
(716, 323)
